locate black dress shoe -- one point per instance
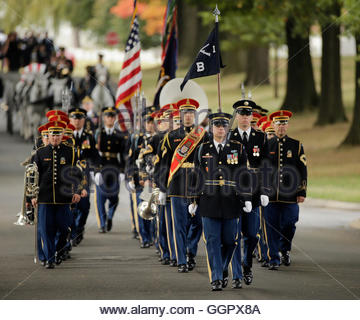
(183, 268)
(43, 263)
(236, 284)
(191, 263)
(102, 230)
(49, 265)
(173, 263)
(285, 258)
(108, 224)
(216, 285)
(265, 264)
(273, 266)
(58, 258)
(165, 261)
(225, 278)
(145, 245)
(248, 275)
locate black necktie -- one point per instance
(245, 139)
(220, 147)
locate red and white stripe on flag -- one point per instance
(130, 78)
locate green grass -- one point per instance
(334, 173)
(342, 188)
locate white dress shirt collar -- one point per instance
(216, 144)
(78, 133)
(241, 131)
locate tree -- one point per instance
(351, 22)
(79, 13)
(300, 85)
(331, 105)
(191, 31)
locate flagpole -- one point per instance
(216, 13)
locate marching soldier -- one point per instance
(137, 178)
(173, 123)
(59, 180)
(152, 158)
(218, 165)
(88, 155)
(256, 147)
(290, 175)
(176, 168)
(111, 144)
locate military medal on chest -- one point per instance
(256, 151)
(232, 158)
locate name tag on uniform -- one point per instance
(272, 152)
(177, 140)
(47, 159)
(207, 156)
(62, 160)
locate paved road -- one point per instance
(326, 257)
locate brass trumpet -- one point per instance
(32, 191)
(148, 208)
(31, 177)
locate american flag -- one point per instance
(130, 77)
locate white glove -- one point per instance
(121, 177)
(131, 186)
(162, 198)
(98, 179)
(138, 162)
(149, 169)
(248, 207)
(264, 200)
(92, 176)
(192, 208)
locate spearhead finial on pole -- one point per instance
(216, 13)
(242, 90)
(249, 95)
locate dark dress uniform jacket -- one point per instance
(138, 142)
(289, 174)
(218, 181)
(59, 178)
(86, 149)
(181, 181)
(257, 154)
(158, 142)
(87, 154)
(112, 149)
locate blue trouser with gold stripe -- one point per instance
(169, 230)
(162, 234)
(220, 239)
(280, 220)
(54, 218)
(40, 249)
(248, 227)
(262, 243)
(101, 195)
(144, 225)
(187, 229)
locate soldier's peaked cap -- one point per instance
(77, 112)
(244, 104)
(281, 116)
(55, 112)
(188, 104)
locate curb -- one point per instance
(331, 204)
(355, 224)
